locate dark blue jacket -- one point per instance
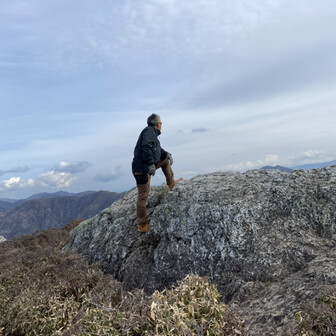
(148, 150)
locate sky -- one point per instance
(238, 84)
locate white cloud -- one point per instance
(108, 176)
(14, 170)
(62, 174)
(56, 179)
(309, 156)
(189, 173)
(230, 67)
(15, 183)
(270, 159)
(72, 167)
(316, 156)
(117, 32)
(313, 153)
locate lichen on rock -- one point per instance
(244, 231)
(256, 226)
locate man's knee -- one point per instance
(163, 164)
(141, 178)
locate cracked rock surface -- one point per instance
(247, 232)
(271, 310)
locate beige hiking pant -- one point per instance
(143, 185)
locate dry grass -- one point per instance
(192, 308)
(46, 291)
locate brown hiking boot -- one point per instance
(143, 227)
(171, 186)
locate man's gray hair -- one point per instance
(153, 119)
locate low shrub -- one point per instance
(192, 308)
(47, 291)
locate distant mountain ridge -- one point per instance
(8, 200)
(280, 168)
(48, 195)
(8, 203)
(53, 212)
(316, 165)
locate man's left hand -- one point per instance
(151, 170)
(170, 158)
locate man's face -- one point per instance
(159, 125)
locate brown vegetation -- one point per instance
(47, 291)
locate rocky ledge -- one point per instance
(248, 233)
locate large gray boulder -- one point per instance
(237, 229)
(265, 238)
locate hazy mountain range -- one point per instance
(8, 203)
(305, 166)
(51, 210)
(280, 168)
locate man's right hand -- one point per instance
(151, 170)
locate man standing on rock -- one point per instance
(149, 156)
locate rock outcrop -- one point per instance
(2, 239)
(251, 234)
